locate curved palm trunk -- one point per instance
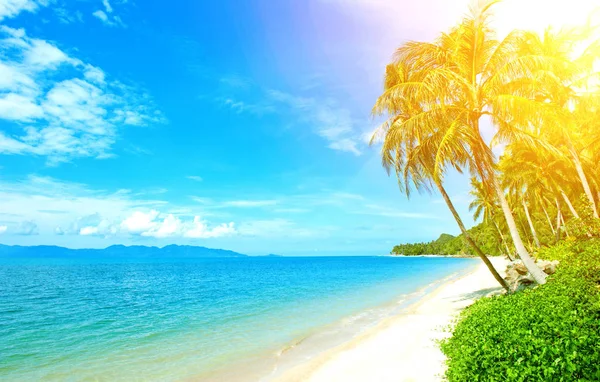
(538, 275)
(470, 241)
(583, 178)
(535, 237)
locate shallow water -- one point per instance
(190, 320)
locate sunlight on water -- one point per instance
(172, 321)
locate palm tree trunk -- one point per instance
(568, 201)
(535, 237)
(503, 239)
(558, 215)
(548, 218)
(470, 241)
(562, 219)
(583, 178)
(538, 275)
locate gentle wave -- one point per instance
(195, 320)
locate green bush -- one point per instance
(550, 333)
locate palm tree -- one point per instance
(413, 157)
(468, 76)
(567, 85)
(484, 204)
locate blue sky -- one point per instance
(232, 124)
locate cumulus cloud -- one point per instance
(151, 224)
(76, 114)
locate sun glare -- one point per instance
(537, 15)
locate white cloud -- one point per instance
(168, 227)
(3, 229)
(17, 107)
(195, 178)
(200, 230)
(107, 17)
(66, 17)
(150, 224)
(11, 8)
(331, 122)
(107, 6)
(101, 15)
(75, 115)
(51, 207)
(140, 222)
(42, 55)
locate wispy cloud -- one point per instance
(250, 203)
(38, 205)
(107, 17)
(11, 8)
(195, 178)
(330, 121)
(63, 118)
(65, 16)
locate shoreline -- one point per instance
(401, 347)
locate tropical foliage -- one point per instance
(447, 245)
(550, 333)
(538, 95)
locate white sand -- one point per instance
(402, 348)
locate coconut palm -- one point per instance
(484, 205)
(413, 157)
(467, 76)
(567, 85)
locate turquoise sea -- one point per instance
(207, 319)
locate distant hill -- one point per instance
(272, 255)
(115, 251)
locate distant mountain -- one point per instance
(115, 251)
(272, 255)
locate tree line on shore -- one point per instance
(538, 93)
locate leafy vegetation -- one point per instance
(448, 245)
(550, 333)
(541, 94)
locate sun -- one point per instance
(537, 15)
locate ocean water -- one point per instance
(207, 319)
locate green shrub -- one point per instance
(550, 333)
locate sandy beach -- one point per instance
(403, 347)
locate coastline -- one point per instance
(401, 347)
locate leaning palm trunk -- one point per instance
(538, 275)
(535, 237)
(569, 204)
(583, 179)
(502, 238)
(548, 219)
(564, 225)
(558, 219)
(470, 241)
